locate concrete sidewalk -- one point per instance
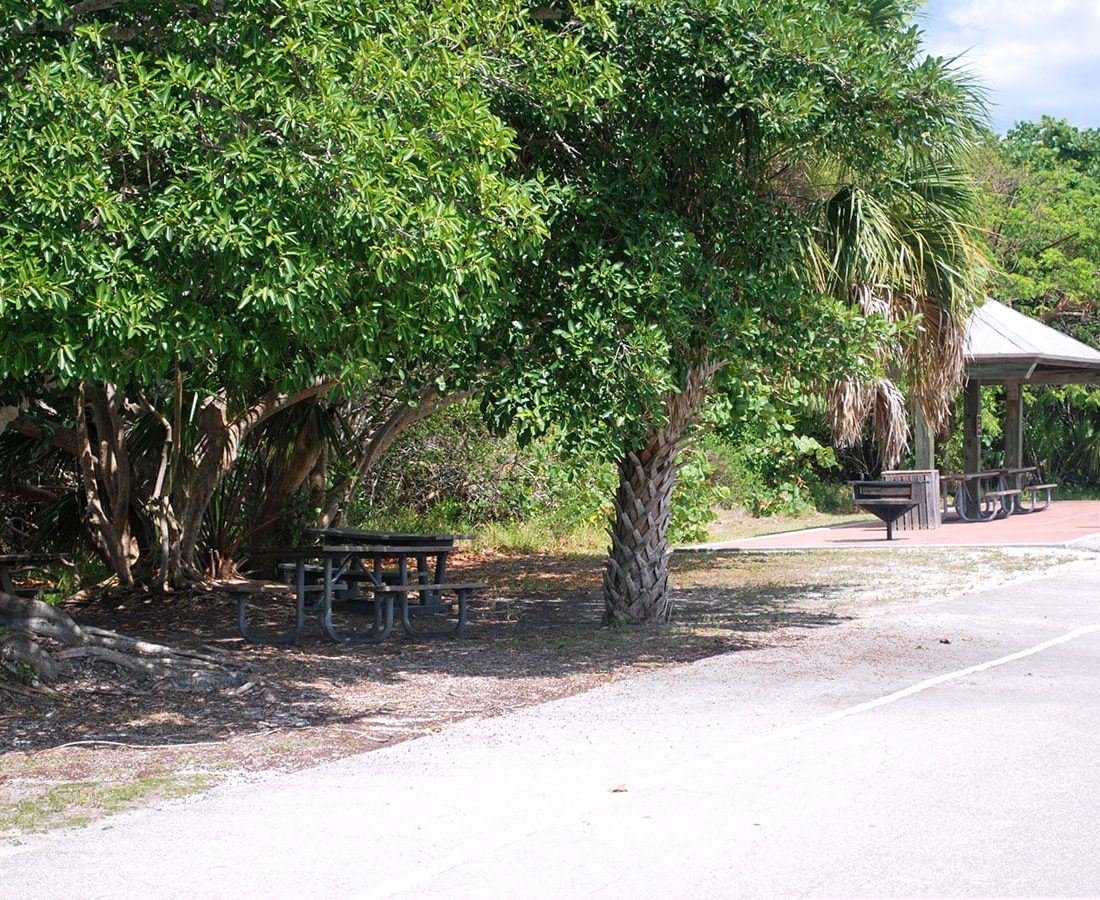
(1067, 523)
(949, 749)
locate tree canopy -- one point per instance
(214, 211)
(776, 186)
(1042, 218)
(266, 192)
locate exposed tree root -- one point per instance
(46, 641)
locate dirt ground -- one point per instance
(110, 740)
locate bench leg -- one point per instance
(295, 633)
(1035, 500)
(462, 595)
(379, 631)
(962, 506)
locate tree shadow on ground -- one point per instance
(520, 647)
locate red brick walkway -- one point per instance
(1065, 522)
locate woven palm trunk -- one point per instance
(635, 578)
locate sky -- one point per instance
(1034, 57)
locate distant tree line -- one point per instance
(1041, 220)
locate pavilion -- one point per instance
(1004, 347)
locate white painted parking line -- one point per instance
(925, 685)
(487, 845)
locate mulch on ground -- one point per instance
(534, 636)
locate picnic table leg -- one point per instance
(380, 629)
(300, 581)
(424, 575)
(383, 614)
(962, 498)
(984, 511)
(1014, 503)
(295, 632)
(440, 574)
(299, 614)
(406, 619)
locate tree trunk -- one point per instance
(635, 581)
(286, 479)
(45, 638)
(376, 432)
(107, 477)
(215, 455)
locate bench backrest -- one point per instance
(881, 490)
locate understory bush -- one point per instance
(770, 453)
(1062, 435)
(451, 473)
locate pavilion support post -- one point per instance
(1014, 426)
(972, 436)
(924, 442)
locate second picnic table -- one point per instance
(428, 546)
(995, 493)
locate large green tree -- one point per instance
(1042, 219)
(772, 196)
(210, 212)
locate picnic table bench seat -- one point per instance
(432, 602)
(1003, 501)
(1034, 489)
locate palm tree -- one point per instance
(910, 256)
(887, 228)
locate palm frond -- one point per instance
(908, 254)
(891, 424)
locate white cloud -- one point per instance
(1034, 56)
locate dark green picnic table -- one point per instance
(12, 562)
(366, 572)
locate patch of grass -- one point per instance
(533, 536)
(735, 524)
(1077, 492)
(77, 803)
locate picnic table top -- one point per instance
(385, 537)
(990, 473)
(28, 558)
(382, 551)
(970, 476)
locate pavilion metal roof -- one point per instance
(1003, 345)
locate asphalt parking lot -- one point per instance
(948, 749)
